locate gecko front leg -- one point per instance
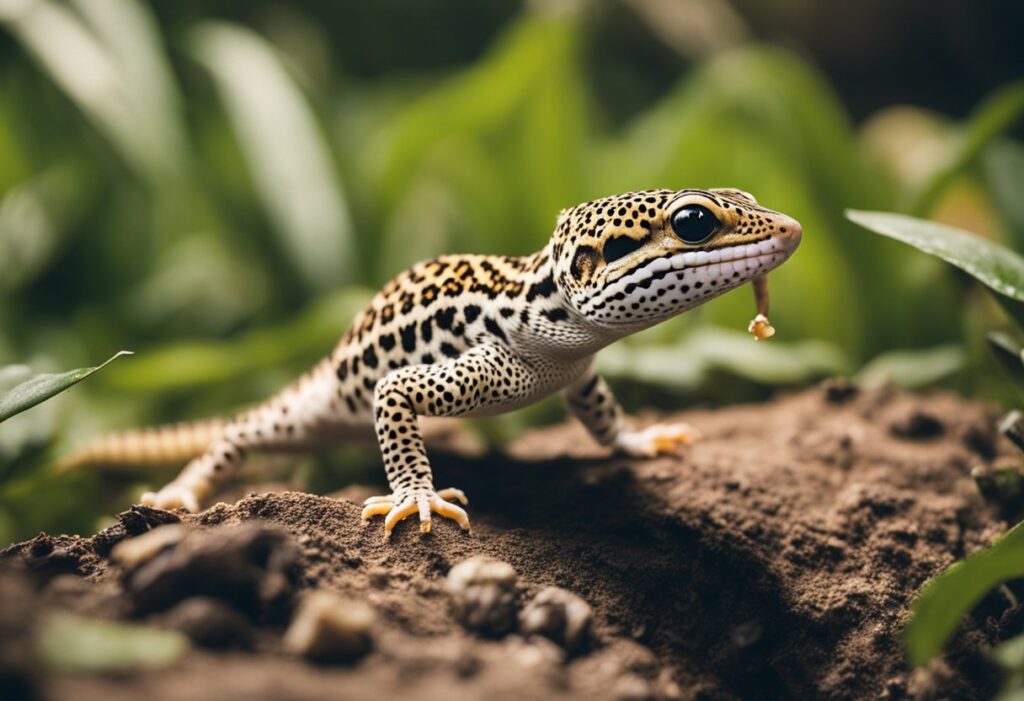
(484, 376)
(590, 400)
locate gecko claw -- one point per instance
(424, 502)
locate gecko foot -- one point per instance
(656, 440)
(171, 497)
(397, 506)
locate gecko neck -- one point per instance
(549, 324)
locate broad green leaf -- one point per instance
(947, 598)
(994, 265)
(994, 116)
(911, 368)
(287, 155)
(72, 643)
(41, 387)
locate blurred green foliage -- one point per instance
(220, 197)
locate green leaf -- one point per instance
(72, 643)
(78, 61)
(287, 155)
(947, 598)
(911, 368)
(41, 387)
(1009, 352)
(1004, 169)
(710, 349)
(994, 265)
(1010, 654)
(199, 363)
(995, 115)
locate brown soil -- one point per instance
(777, 559)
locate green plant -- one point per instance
(38, 388)
(949, 596)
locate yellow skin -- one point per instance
(471, 335)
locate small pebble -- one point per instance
(482, 592)
(135, 551)
(330, 628)
(536, 653)
(630, 687)
(210, 623)
(558, 615)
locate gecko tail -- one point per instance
(159, 445)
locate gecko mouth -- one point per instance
(742, 264)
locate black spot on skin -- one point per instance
(472, 311)
(507, 312)
(557, 314)
(408, 335)
(544, 288)
(584, 262)
(427, 330)
(370, 357)
(621, 246)
(492, 326)
(387, 341)
(427, 358)
(589, 387)
(449, 350)
(343, 370)
(445, 317)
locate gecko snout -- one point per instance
(788, 230)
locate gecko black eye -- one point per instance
(694, 224)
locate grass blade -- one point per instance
(286, 153)
(39, 388)
(947, 598)
(82, 67)
(993, 117)
(130, 35)
(1004, 169)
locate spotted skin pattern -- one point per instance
(472, 335)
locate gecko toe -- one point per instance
(426, 502)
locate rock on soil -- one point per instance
(776, 559)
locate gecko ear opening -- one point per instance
(620, 247)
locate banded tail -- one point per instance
(170, 444)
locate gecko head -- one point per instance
(630, 261)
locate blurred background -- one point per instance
(219, 185)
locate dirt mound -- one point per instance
(777, 559)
